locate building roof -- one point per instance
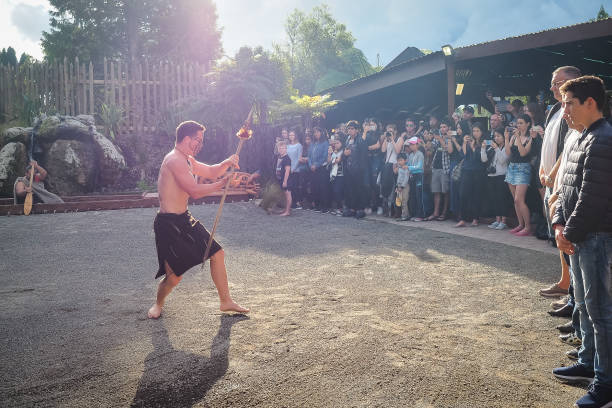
(405, 70)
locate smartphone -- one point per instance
(452, 132)
(488, 142)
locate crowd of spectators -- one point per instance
(525, 160)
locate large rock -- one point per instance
(13, 161)
(110, 160)
(16, 134)
(71, 165)
(52, 128)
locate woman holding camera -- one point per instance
(390, 148)
(518, 146)
(472, 177)
(493, 153)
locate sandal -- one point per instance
(441, 218)
(430, 218)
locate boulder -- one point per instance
(16, 134)
(71, 165)
(110, 160)
(52, 128)
(13, 161)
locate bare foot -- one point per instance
(459, 224)
(232, 306)
(285, 214)
(154, 312)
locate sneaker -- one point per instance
(324, 211)
(574, 373)
(566, 328)
(360, 214)
(379, 211)
(570, 339)
(572, 354)
(417, 219)
(339, 213)
(501, 226)
(404, 218)
(333, 212)
(558, 304)
(494, 225)
(368, 211)
(553, 291)
(596, 397)
(299, 207)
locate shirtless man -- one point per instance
(180, 239)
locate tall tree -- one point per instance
(133, 29)
(8, 56)
(320, 51)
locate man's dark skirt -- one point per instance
(181, 241)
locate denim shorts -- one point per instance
(518, 173)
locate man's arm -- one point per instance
(20, 189)
(180, 171)
(214, 171)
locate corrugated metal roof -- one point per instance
(536, 33)
(467, 47)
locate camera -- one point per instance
(388, 135)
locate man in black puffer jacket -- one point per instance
(583, 230)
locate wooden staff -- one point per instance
(243, 134)
(27, 204)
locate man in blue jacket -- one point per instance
(583, 230)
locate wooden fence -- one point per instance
(141, 91)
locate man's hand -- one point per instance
(562, 243)
(233, 161)
(284, 184)
(34, 163)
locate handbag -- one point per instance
(456, 175)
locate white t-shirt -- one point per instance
(571, 140)
(391, 153)
(549, 144)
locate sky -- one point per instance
(382, 27)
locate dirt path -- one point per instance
(345, 313)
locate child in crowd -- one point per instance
(494, 154)
(336, 176)
(283, 170)
(415, 163)
(402, 188)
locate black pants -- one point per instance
(303, 194)
(471, 193)
(355, 193)
(415, 197)
(321, 188)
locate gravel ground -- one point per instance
(344, 313)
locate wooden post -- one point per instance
(65, 86)
(120, 93)
(147, 98)
(76, 80)
(92, 107)
(111, 100)
(450, 81)
(106, 81)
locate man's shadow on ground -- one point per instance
(174, 378)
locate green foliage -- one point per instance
(319, 47)
(111, 116)
(29, 110)
(163, 29)
(143, 185)
(8, 56)
(602, 14)
(304, 108)
(253, 77)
